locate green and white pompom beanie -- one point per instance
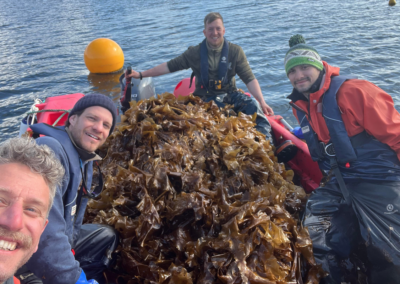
(300, 53)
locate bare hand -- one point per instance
(133, 74)
(267, 110)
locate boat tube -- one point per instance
(294, 151)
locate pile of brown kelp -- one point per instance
(198, 197)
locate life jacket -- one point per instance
(72, 198)
(358, 157)
(223, 67)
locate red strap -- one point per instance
(122, 99)
(16, 281)
(73, 252)
(127, 81)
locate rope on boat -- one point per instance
(65, 111)
(49, 110)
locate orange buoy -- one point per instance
(103, 55)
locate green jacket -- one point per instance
(191, 59)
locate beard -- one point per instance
(317, 84)
(24, 242)
(314, 86)
(5, 275)
(303, 89)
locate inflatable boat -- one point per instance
(54, 111)
(306, 170)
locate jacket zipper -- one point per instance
(79, 200)
(293, 105)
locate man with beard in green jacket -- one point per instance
(215, 63)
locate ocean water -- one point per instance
(42, 44)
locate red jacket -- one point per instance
(364, 106)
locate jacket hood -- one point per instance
(329, 72)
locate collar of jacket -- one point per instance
(84, 155)
(329, 72)
(219, 48)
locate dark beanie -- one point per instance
(96, 100)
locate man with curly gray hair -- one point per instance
(29, 175)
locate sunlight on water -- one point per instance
(42, 44)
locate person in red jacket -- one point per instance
(353, 130)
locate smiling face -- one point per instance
(214, 33)
(90, 129)
(24, 202)
(303, 77)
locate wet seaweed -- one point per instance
(198, 196)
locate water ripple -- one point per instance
(42, 43)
